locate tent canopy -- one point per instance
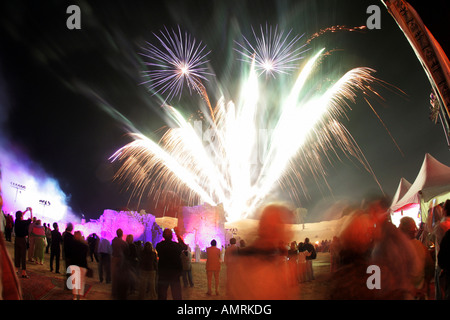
(432, 182)
(402, 188)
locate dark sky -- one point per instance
(43, 66)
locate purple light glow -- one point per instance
(24, 185)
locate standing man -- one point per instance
(67, 248)
(104, 254)
(169, 266)
(213, 266)
(119, 252)
(55, 247)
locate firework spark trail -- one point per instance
(179, 61)
(143, 156)
(299, 120)
(382, 122)
(335, 29)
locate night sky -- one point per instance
(47, 113)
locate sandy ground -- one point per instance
(313, 290)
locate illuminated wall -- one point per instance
(200, 224)
(141, 225)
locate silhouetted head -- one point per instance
(69, 227)
(213, 243)
(129, 238)
(148, 246)
(19, 215)
(408, 227)
(167, 234)
(274, 224)
(119, 233)
(77, 235)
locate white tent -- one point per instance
(402, 188)
(410, 210)
(432, 185)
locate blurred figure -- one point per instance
(442, 214)
(186, 259)
(31, 240)
(444, 224)
(334, 253)
(197, 253)
(230, 262)
(9, 283)
(260, 273)
(92, 241)
(9, 226)
(38, 233)
(444, 264)
(20, 244)
(104, 252)
(292, 256)
(148, 267)
(368, 238)
(424, 271)
(169, 266)
(55, 248)
(213, 266)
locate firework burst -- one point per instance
(179, 61)
(273, 51)
(220, 165)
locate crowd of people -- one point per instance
(134, 268)
(408, 257)
(268, 268)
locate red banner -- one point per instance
(428, 50)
